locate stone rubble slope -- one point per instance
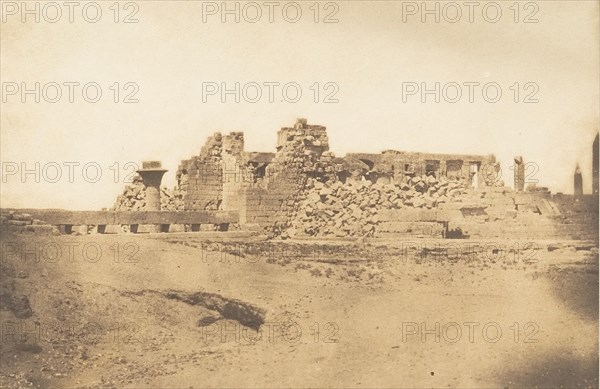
(352, 208)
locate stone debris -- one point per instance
(133, 198)
(16, 219)
(352, 208)
(21, 222)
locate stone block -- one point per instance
(176, 228)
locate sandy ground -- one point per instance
(174, 311)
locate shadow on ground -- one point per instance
(577, 290)
(559, 370)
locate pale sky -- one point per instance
(370, 53)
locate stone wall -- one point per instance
(278, 194)
(392, 166)
(201, 177)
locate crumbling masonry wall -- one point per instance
(201, 177)
(395, 166)
(274, 196)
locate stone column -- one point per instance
(519, 174)
(474, 174)
(233, 172)
(152, 173)
(577, 182)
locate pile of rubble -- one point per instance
(24, 222)
(351, 208)
(16, 218)
(134, 198)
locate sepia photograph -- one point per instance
(299, 194)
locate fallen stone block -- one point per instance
(524, 198)
(252, 227)
(39, 229)
(527, 208)
(18, 222)
(23, 217)
(110, 229)
(81, 229)
(176, 228)
(413, 228)
(145, 228)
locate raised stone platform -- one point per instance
(107, 220)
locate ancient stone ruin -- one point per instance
(304, 190)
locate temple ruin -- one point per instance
(303, 189)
